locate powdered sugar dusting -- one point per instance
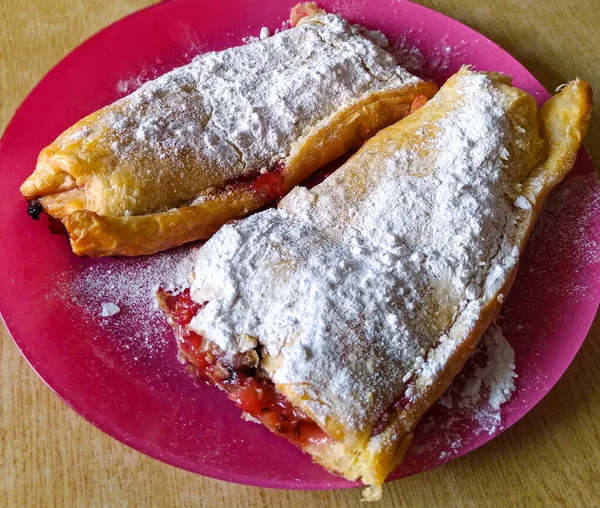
(572, 209)
(125, 86)
(424, 228)
(491, 383)
(473, 401)
(256, 99)
(499, 374)
(119, 296)
(441, 61)
(235, 112)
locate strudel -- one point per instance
(338, 318)
(219, 138)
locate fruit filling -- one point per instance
(238, 375)
(270, 185)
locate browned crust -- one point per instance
(92, 234)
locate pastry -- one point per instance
(219, 138)
(338, 318)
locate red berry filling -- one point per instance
(238, 376)
(269, 185)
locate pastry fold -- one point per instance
(353, 305)
(219, 138)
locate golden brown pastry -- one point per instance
(219, 138)
(340, 317)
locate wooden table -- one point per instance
(51, 457)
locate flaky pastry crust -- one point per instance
(532, 152)
(138, 200)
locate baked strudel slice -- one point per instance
(340, 317)
(219, 138)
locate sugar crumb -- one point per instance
(109, 309)
(523, 203)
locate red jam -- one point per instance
(252, 393)
(270, 185)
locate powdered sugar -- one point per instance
(472, 404)
(110, 309)
(125, 86)
(264, 33)
(499, 374)
(496, 374)
(470, 393)
(118, 295)
(523, 203)
(235, 112)
(338, 272)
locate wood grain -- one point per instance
(49, 456)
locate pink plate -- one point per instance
(124, 376)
